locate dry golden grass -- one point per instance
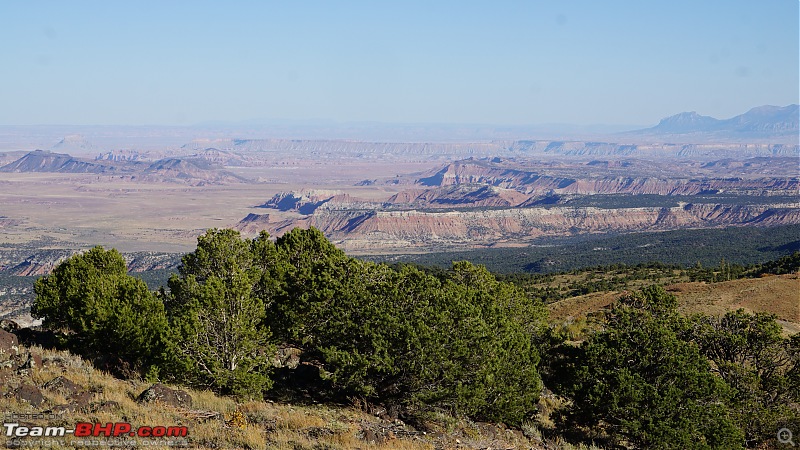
(775, 294)
(248, 425)
(578, 307)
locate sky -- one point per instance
(414, 62)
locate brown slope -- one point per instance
(192, 170)
(776, 294)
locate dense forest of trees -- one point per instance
(684, 248)
(419, 341)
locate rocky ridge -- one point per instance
(45, 161)
(537, 182)
(194, 169)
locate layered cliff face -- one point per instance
(654, 186)
(485, 227)
(537, 182)
(307, 202)
(482, 172)
(512, 201)
(458, 196)
(656, 150)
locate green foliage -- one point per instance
(458, 340)
(642, 384)
(793, 373)
(109, 312)
(786, 264)
(738, 245)
(65, 297)
(218, 319)
(463, 343)
(750, 354)
(309, 275)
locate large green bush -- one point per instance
(749, 352)
(464, 343)
(107, 312)
(641, 384)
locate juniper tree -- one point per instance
(218, 319)
(638, 381)
(109, 313)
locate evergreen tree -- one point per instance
(218, 319)
(464, 344)
(643, 385)
(112, 315)
(749, 352)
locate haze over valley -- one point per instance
(385, 197)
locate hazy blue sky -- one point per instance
(495, 62)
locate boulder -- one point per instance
(63, 386)
(30, 394)
(27, 363)
(9, 325)
(165, 395)
(288, 357)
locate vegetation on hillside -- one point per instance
(425, 342)
(684, 248)
(463, 343)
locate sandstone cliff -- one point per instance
(382, 229)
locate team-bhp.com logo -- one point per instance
(86, 429)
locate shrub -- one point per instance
(641, 384)
(749, 352)
(464, 343)
(109, 313)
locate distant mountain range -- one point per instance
(760, 122)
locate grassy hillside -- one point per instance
(776, 294)
(215, 422)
